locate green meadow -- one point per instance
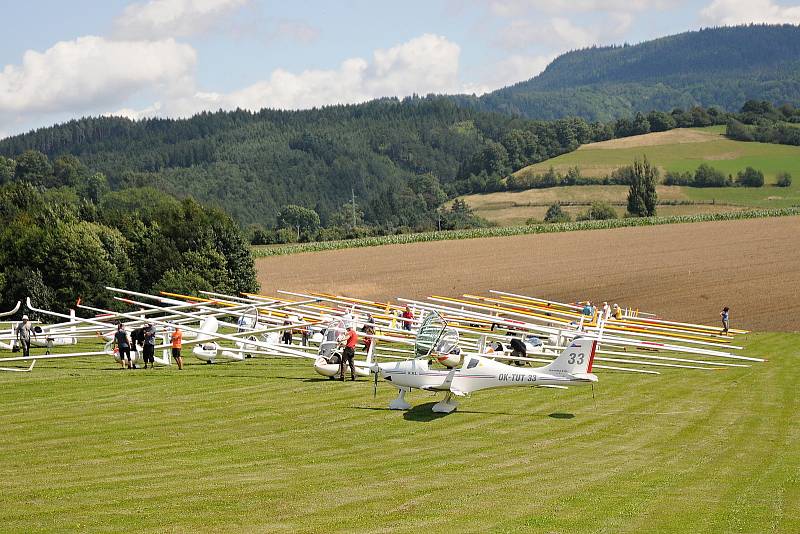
(268, 445)
(678, 150)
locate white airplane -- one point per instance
(329, 358)
(571, 368)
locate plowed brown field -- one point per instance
(684, 272)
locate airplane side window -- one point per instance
(472, 363)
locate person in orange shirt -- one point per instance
(349, 352)
(177, 342)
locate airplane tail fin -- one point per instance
(577, 358)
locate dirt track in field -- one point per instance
(683, 272)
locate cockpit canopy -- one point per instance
(330, 337)
(434, 336)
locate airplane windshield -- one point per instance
(330, 337)
(435, 336)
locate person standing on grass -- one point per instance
(350, 340)
(408, 318)
(286, 338)
(24, 331)
(725, 314)
(150, 345)
(369, 330)
(304, 332)
(177, 343)
(123, 343)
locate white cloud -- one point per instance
(513, 69)
(730, 12)
(90, 71)
(297, 31)
(158, 19)
(561, 33)
(514, 8)
(426, 64)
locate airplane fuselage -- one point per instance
(475, 374)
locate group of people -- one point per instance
(288, 333)
(605, 312)
(146, 337)
(616, 312)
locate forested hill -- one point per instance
(399, 158)
(722, 67)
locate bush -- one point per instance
(784, 179)
(556, 215)
(678, 178)
(708, 176)
(599, 211)
(750, 177)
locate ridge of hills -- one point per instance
(402, 158)
(713, 67)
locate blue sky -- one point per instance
(62, 60)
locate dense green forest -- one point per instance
(714, 67)
(399, 159)
(293, 176)
(763, 122)
(64, 235)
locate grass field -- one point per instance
(270, 446)
(676, 150)
(513, 208)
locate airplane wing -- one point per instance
(19, 369)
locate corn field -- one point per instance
(543, 228)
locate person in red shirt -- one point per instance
(349, 352)
(408, 317)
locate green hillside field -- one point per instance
(683, 149)
(267, 445)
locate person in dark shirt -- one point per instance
(123, 343)
(149, 345)
(286, 337)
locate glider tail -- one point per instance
(576, 359)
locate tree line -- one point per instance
(384, 167)
(64, 235)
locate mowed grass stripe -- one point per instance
(265, 445)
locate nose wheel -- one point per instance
(400, 403)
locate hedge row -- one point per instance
(544, 228)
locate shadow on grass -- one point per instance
(300, 378)
(420, 413)
(423, 413)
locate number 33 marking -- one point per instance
(575, 358)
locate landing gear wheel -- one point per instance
(400, 403)
(445, 405)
